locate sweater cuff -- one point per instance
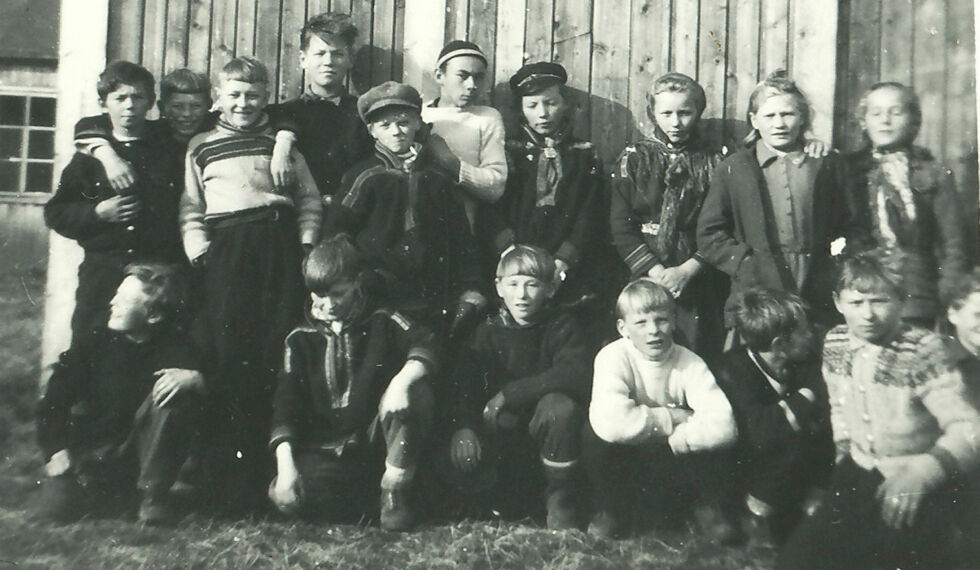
(568, 252)
(280, 434)
(467, 174)
(640, 260)
(308, 237)
(426, 357)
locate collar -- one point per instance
(255, 128)
(778, 386)
(766, 155)
(855, 343)
(662, 140)
(507, 320)
(542, 141)
(337, 99)
(405, 162)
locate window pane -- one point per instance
(12, 109)
(42, 111)
(39, 177)
(10, 142)
(9, 176)
(41, 144)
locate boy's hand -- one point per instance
(465, 450)
(678, 415)
(492, 410)
(814, 148)
(561, 271)
(675, 279)
(59, 464)
(118, 209)
(120, 173)
(172, 381)
(436, 149)
(902, 493)
(286, 491)
(283, 175)
(656, 272)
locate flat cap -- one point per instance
(388, 94)
(457, 48)
(534, 77)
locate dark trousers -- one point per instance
(620, 474)
(701, 316)
(147, 460)
(847, 531)
(781, 478)
(99, 275)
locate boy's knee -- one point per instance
(556, 410)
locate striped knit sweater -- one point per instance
(227, 171)
(892, 401)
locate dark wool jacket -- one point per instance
(154, 234)
(331, 384)
(331, 137)
(934, 244)
(98, 384)
(524, 362)
(769, 422)
(969, 367)
(638, 186)
(410, 227)
(737, 232)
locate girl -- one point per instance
(907, 199)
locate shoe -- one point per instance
(717, 525)
(156, 512)
(396, 514)
(561, 498)
(607, 525)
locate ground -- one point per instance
(204, 542)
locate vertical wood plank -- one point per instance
(457, 19)
(383, 37)
(509, 49)
(245, 26)
(774, 37)
(398, 46)
(178, 15)
(573, 49)
(315, 7)
(199, 35)
(684, 37)
(154, 36)
(223, 40)
(539, 29)
(125, 39)
(929, 75)
(863, 63)
(424, 28)
(267, 33)
(896, 45)
(609, 84)
(961, 119)
(815, 60)
(712, 52)
(293, 17)
(362, 14)
(483, 32)
(743, 66)
(649, 56)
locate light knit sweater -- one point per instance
(476, 135)
(227, 171)
(632, 397)
(893, 401)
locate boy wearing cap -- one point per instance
(405, 218)
(470, 145)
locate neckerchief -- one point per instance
(892, 185)
(681, 190)
(406, 163)
(550, 168)
(253, 129)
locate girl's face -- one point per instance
(886, 119)
(545, 111)
(779, 122)
(676, 115)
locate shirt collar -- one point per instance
(309, 95)
(778, 386)
(766, 155)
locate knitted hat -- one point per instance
(457, 48)
(535, 77)
(388, 94)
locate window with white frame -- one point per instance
(26, 140)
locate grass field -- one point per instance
(204, 542)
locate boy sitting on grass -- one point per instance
(903, 427)
(774, 384)
(657, 418)
(352, 391)
(122, 404)
(528, 370)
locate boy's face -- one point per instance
(886, 119)
(524, 296)
(241, 103)
(185, 112)
(127, 106)
(872, 316)
(129, 309)
(676, 115)
(395, 128)
(326, 62)
(545, 111)
(462, 82)
(798, 346)
(651, 332)
(779, 122)
(336, 303)
(966, 321)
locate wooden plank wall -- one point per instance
(612, 49)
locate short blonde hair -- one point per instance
(643, 296)
(527, 260)
(245, 69)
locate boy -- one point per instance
(122, 404)
(115, 229)
(248, 236)
(657, 412)
(902, 426)
(527, 369)
(405, 218)
(778, 396)
(964, 314)
(331, 136)
(470, 141)
(352, 390)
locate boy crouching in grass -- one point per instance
(904, 430)
(785, 450)
(352, 398)
(528, 369)
(657, 419)
(122, 404)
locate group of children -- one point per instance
(342, 336)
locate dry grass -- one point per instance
(204, 542)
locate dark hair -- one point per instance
(334, 259)
(245, 69)
(873, 270)
(125, 73)
(643, 296)
(674, 82)
(963, 287)
(909, 99)
(331, 25)
(165, 284)
(527, 260)
(762, 315)
(776, 83)
(184, 81)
